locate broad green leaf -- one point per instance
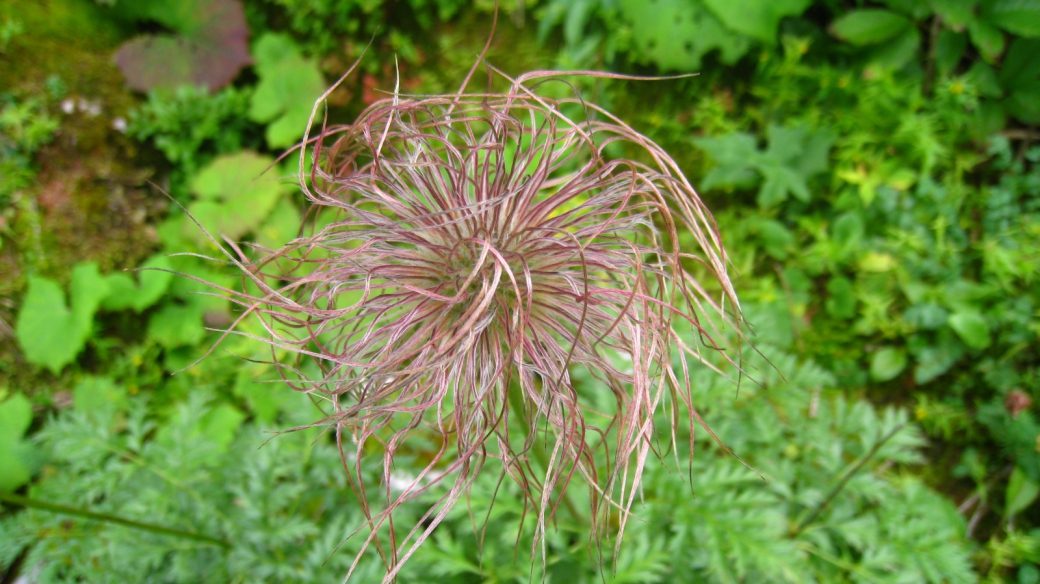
(1021, 492)
(15, 418)
(235, 194)
(987, 39)
(756, 19)
(289, 85)
(50, 333)
(1021, 67)
(675, 34)
(154, 278)
(841, 299)
(949, 48)
(972, 328)
(1020, 78)
(177, 325)
(896, 53)
(887, 363)
(1020, 17)
(869, 26)
(281, 226)
(955, 13)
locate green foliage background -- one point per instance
(874, 168)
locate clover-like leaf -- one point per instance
(50, 332)
(124, 293)
(289, 85)
(675, 34)
(211, 47)
(235, 194)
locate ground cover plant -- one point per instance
(874, 175)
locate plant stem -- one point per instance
(846, 477)
(77, 512)
(516, 403)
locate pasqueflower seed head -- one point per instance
(485, 248)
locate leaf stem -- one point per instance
(846, 477)
(78, 512)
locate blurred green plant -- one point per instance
(190, 126)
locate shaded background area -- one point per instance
(874, 168)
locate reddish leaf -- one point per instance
(210, 51)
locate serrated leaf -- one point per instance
(675, 34)
(756, 19)
(972, 328)
(869, 26)
(235, 194)
(124, 293)
(210, 49)
(50, 333)
(887, 363)
(1020, 17)
(289, 85)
